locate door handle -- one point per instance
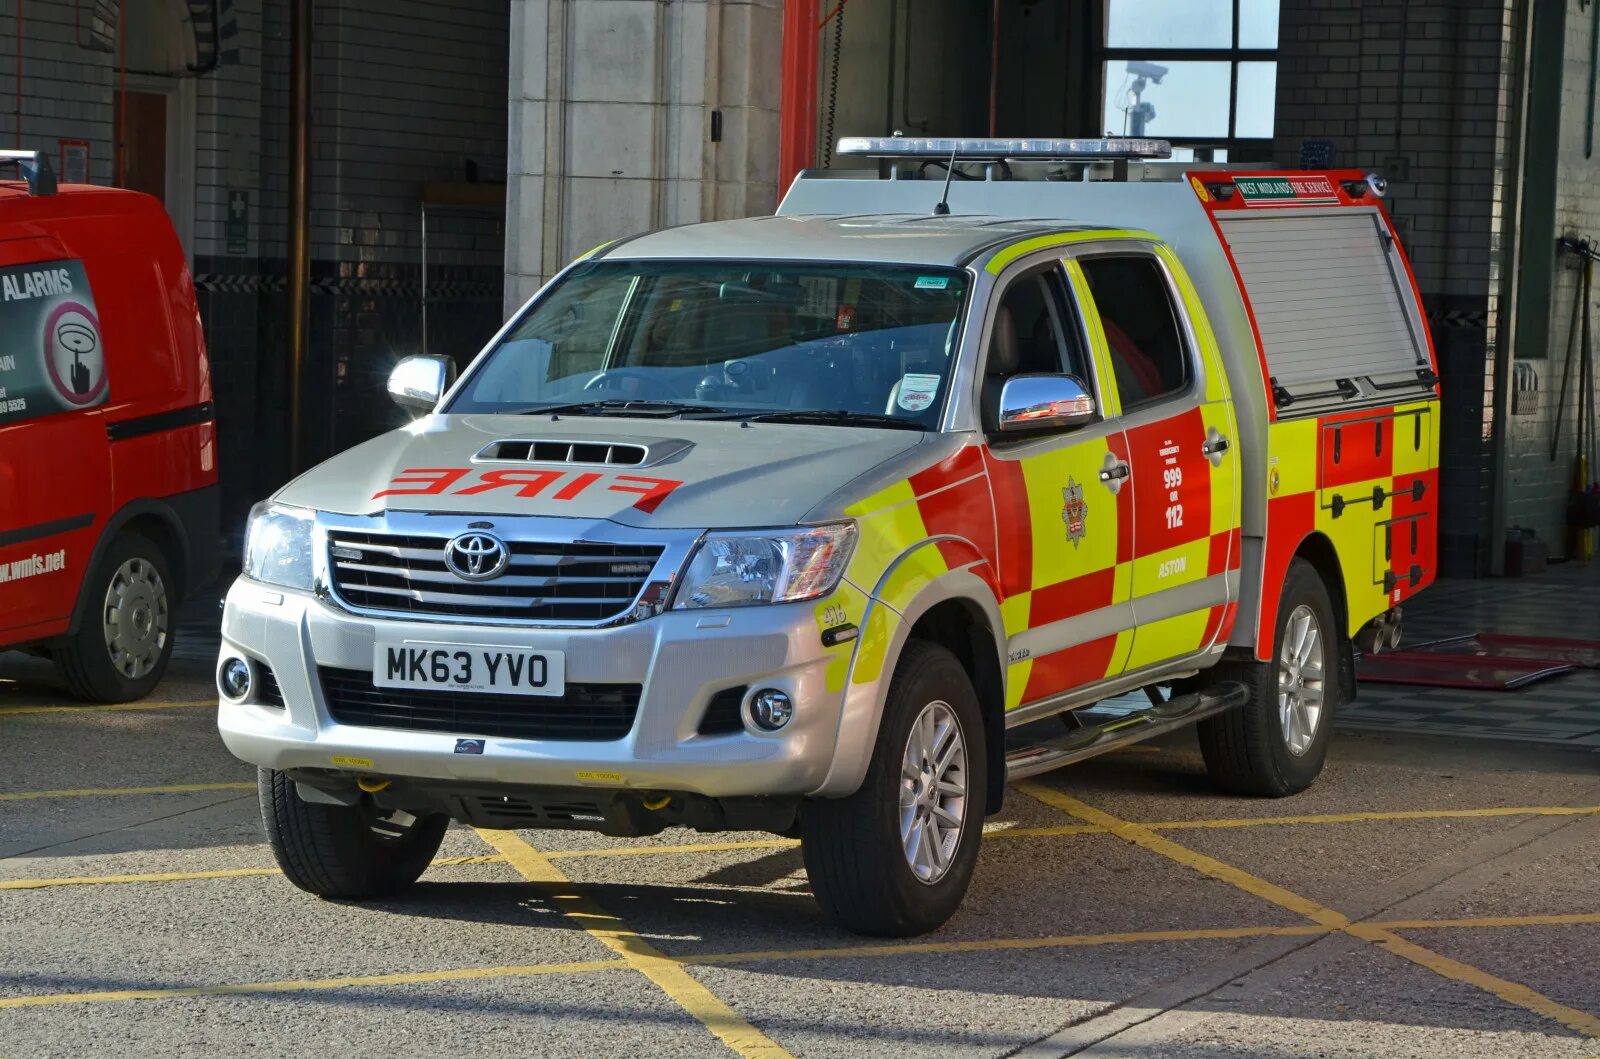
(1114, 472)
(1213, 447)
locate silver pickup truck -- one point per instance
(826, 524)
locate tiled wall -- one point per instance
(1538, 485)
(67, 81)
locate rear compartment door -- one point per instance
(55, 485)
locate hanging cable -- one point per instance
(833, 86)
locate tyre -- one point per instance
(123, 644)
(356, 852)
(1276, 743)
(895, 858)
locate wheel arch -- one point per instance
(961, 626)
(151, 519)
(1318, 551)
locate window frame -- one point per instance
(1186, 336)
(1251, 148)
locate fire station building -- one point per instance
(356, 181)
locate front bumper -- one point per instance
(681, 658)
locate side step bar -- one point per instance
(1131, 728)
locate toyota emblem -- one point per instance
(476, 556)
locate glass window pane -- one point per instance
(1147, 351)
(1170, 24)
(1258, 23)
(1190, 100)
(1258, 84)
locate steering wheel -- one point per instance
(652, 385)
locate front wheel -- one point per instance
(122, 645)
(355, 852)
(1276, 743)
(895, 858)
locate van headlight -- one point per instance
(738, 569)
(277, 549)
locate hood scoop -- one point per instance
(591, 452)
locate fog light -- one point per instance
(233, 678)
(771, 709)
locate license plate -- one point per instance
(468, 667)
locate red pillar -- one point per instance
(797, 129)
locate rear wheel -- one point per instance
(122, 646)
(348, 851)
(895, 858)
(1277, 742)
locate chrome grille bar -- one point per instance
(405, 575)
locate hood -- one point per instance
(665, 473)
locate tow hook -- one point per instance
(372, 784)
(657, 803)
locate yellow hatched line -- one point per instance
(668, 974)
(297, 985)
(115, 707)
(109, 792)
(914, 948)
(184, 876)
(1140, 835)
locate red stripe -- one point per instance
(1289, 520)
(1077, 595)
(1071, 668)
(1224, 552)
(1014, 524)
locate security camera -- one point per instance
(1153, 71)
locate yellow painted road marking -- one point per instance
(917, 948)
(107, 792)
(296, 985)
(186, 876)
(668, 974)
(913, 948)
(115, 707)
(1379, 816)
(1455, 970)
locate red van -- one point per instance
(108, 464)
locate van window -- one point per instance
(1141, 324)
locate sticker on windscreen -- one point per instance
(917, 392)
(933, 282)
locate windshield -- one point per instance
(729, 338)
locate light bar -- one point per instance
(1000, 149)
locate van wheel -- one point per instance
(1277, 742)
(123, 644)
(895, 858)
(354, 852)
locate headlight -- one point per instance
(734, 570)
(277, 547)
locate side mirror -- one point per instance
(1030, 403)
(417, 383)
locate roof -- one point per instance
(913, 239)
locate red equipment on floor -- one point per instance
(1480, 661)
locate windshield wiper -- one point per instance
(835, 416)
(617, 407)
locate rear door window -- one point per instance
(1148, 353)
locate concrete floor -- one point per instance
(1430, 896)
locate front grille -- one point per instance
(723, 713)
(584, 712)
(269, 694)
(542, 582)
